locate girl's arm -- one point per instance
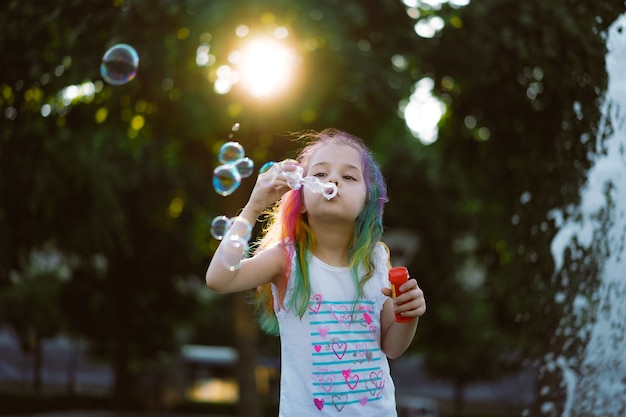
(396, 337)
(262, 268)
(267, 265)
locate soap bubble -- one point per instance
(234, 234)
(243, 228)
(119, 64)
(230, 152)
(266, 167)
(226, 179)
(219, 227)
(235, 166)
(235, 128)
(245, 166)
(294, 178)
(232, 250)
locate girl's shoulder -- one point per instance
(381, 263)
(382, 256)
(270, 260)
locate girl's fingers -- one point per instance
(411, 302)
(269, 188)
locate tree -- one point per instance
(514, 144)
(25, 306)
(77, 178)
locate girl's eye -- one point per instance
(349, 177)
(319, 175)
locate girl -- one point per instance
(321, 275)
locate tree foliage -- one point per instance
(522, 83)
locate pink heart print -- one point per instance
(339, 349)
(325, 382)
(323, 331)
(316, 303)
(352, 381)
(342, 315)
(319, 403)
(367, 317)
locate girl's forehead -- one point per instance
(335, 153)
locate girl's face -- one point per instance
(340, 164)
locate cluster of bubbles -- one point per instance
(235, 234)
(119, 64)
(234, 165)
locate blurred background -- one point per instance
(484, 115)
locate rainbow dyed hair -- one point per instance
(287, 224)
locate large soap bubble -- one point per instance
(119, 64)
(219, 227)
(245, 166)
(235, 234)
(226, 179)
(230, 152)
(232, 250)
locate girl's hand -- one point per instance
(270, 186)
(411, 303)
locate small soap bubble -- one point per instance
(226, 179)
(236, 127)
(219, 227)
(119, 64)
(243, 227)
(245, 166)
(230, 152)
(266, 167)
(232, 250)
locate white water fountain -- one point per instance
(593, 382)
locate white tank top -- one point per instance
(332, 364)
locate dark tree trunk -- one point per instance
(246, 333)
(459, 397)
(37, 364)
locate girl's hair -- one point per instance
(288, 226)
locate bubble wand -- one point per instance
(295, 180)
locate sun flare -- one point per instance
(266, 67)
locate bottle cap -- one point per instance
(398, 274)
